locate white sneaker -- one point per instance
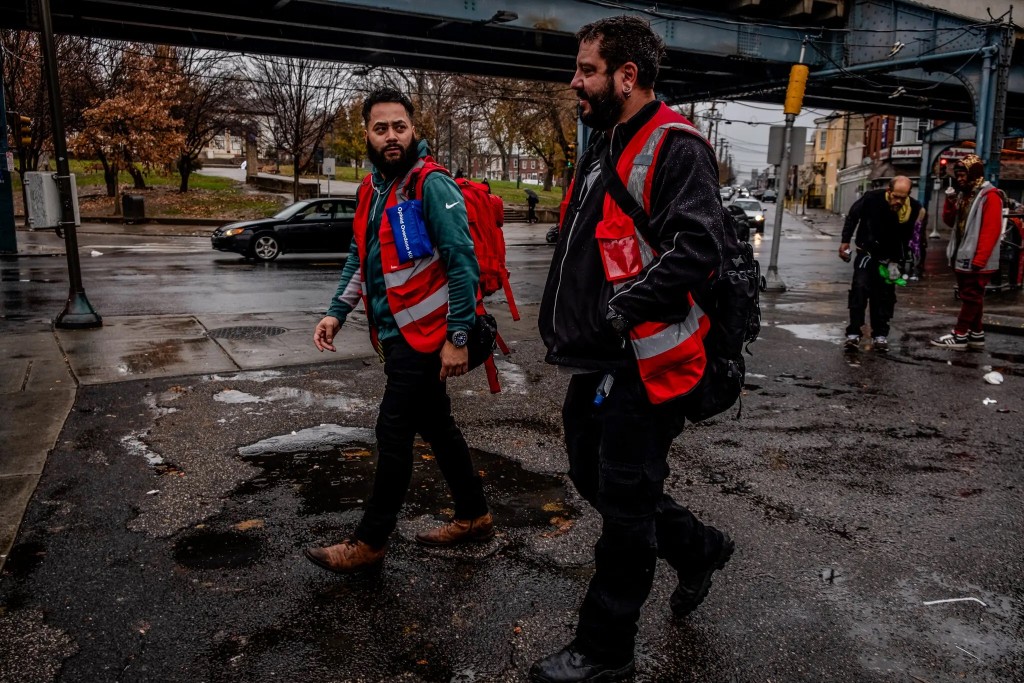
(880, 345)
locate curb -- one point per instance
(1003, 324)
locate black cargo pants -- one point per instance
(618, 462)
(869, 285)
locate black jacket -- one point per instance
(879, 231)
(686, 230)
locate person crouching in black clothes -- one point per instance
(884, 222)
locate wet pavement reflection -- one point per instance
(341, 479)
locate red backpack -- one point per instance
(486, 214)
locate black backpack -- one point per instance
(732, 304)
(731, 301)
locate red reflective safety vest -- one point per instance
(418, 290)
(670, 356)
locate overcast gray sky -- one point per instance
(748, 131)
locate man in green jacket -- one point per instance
(416, 363)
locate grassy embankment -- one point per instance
(217, 197)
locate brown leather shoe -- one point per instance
(348, 556)
(459, 531)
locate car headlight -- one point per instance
(233, 231)
(759, 218)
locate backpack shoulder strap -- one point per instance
(411, 186)
(630, 196)
(644, 161)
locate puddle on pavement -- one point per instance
(159, 355)
(217, 550)
(977, 362)
(829, 332)
(341, 478)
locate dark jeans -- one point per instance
(618, 462)
(869, 285)
(971, 287)
(415, 400)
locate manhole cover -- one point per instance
(246, 332)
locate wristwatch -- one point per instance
(458, 338)
(618, 322)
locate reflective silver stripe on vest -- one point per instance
(400, 277)
(351, 294)
(643, 160)
(669, 338)
(423, 308)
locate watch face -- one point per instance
(459, 338)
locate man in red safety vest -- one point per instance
(412, 264)
(641, 238)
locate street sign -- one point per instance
(329, 166)
(775, 137)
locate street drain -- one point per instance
(249, 332)
(341, 478)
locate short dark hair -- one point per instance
(386, 95)
(627, 39)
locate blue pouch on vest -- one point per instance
(411, 238)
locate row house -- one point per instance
(527, 169)
(853, 153)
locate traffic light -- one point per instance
(570, 156)
(943, 166)
(21, 130)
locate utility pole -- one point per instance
(8, 232)
(78, 312)
(794, 101)
(997, 108)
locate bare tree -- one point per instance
(206, 103)
(302, 97)
(549, 126)
(25, 88)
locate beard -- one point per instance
(394, 167)
(605, 107)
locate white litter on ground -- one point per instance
(134, 444)
(324, 437)
(994, 378)
(988, 401)
(235, 396)
(511, 377)
(940, 602)
(248, 376)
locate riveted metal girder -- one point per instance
(740, 50)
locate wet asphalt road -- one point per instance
(164, 541)
(183, 275)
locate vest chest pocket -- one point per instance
(620, 248)
(406, 238)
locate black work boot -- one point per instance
(693, 586)
(569, 665)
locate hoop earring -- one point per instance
(627, 92)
